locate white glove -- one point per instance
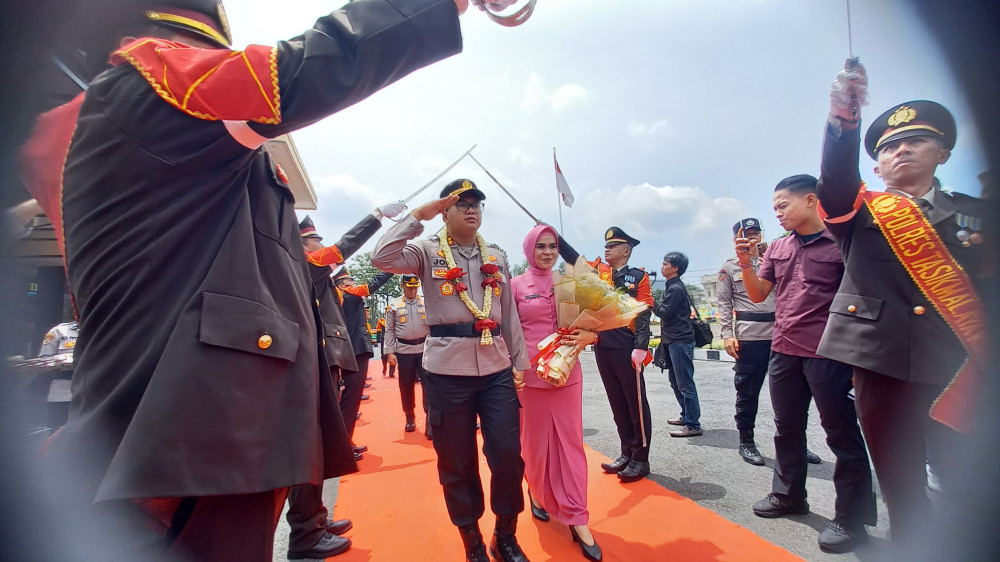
(392, 209)
(851, 84)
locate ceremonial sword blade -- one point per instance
(500, 185)
(437, 177)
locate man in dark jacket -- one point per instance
(908, 315)
(198, 395)
(354, 296)
(678, 335)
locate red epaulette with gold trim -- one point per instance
(211, 84)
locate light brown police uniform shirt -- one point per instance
(457, 356)
(732, 296)
(405, 319)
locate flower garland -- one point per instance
(492, 280)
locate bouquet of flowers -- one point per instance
(587, 302)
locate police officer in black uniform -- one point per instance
(619, 355)
(904, 352)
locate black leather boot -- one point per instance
(475, 550)
(504, 545)
(748, 449)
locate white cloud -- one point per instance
(568, 96)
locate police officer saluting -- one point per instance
(907, 315)
(405, 332)
(475, 356)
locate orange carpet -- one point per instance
(399, 513)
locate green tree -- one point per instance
(519, 268)
(363, 271)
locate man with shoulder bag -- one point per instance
(678, 335)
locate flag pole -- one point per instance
(558, 199)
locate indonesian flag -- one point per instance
(561, 186)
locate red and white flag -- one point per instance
(561, 186)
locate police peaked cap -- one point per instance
(342, 273)
(205, 18)
(617, 235)
(410, 280)
(308, 229)
(911, 119)
(462, 187)
(748, 222)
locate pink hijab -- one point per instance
(542, 278)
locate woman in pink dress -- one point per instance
(555, 464)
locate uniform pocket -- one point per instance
(856, 305)
(246, 325)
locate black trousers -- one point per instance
(453, 404)
(751, 370)
(899, 431)
(794, 382)
(627, 401)
(350, 396)
(409, 372)
(306, 516)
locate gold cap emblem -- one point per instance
(902, 115)
(264, 341)
(609, 234)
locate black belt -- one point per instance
(464, 330)
(748, 316)
(411, 342)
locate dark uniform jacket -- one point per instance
(354, 312)
(675, 313)
(884, 333)
(338, 348)
(197, 367)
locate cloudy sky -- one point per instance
(672, 119)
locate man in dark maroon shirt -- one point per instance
(805, 270)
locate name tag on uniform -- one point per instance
(439, 262)
(535, 296)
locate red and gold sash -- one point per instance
(210, 84)
(946, 286)
(328, 255)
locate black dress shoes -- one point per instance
(635, 470)
(329, 545)
(365, 397)
(750, 454)
(591, 552)
(617, 465)
(410, 426)
(361, 448)
(842, 537)
(813, 458)
(777, 506)
(368, 385)
(537, 512)
(358, 456)
(428, 433)
(338, 527)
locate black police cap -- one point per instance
(206, 18)
(746, 223)
(462, 187)
(410, 280)
(617, 235)
(911, 119)
(308, 229)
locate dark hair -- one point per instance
(799, 185)
(678, 260)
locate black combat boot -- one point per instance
(504, 545)
(475, 550)
(748, 449)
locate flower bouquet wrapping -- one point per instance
(584, 301)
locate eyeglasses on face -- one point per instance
(464, 206)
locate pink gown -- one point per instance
(555, 464)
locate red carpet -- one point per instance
(399, 513)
